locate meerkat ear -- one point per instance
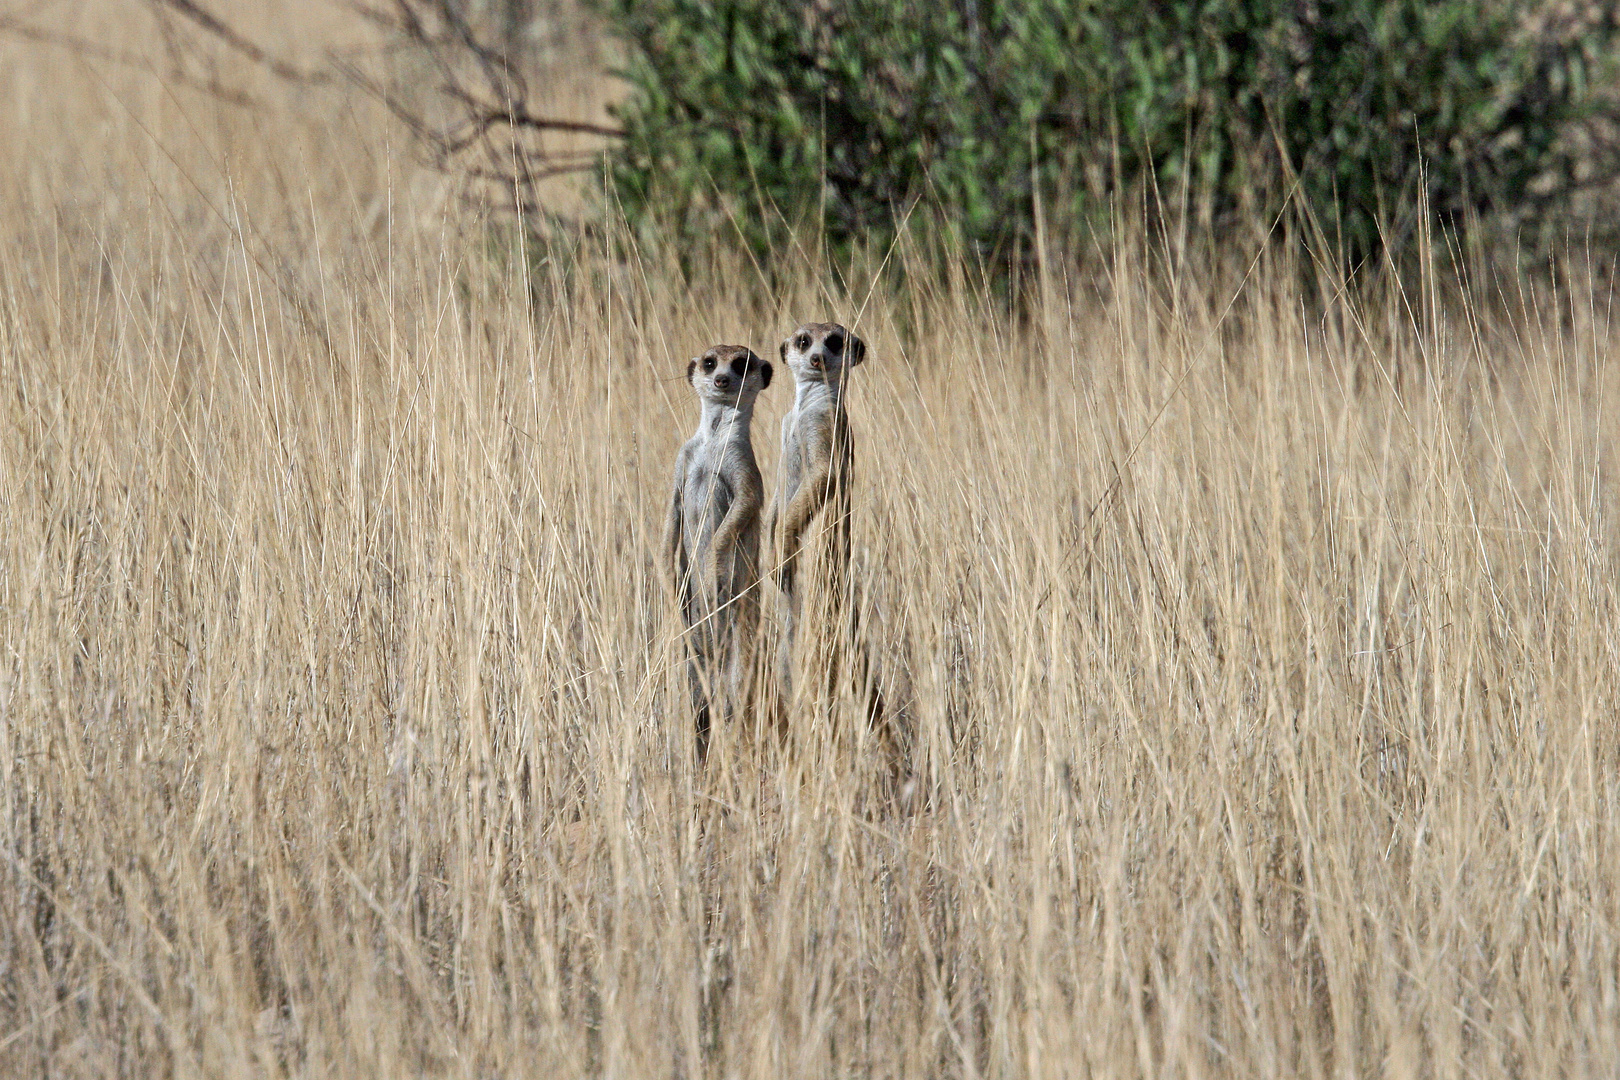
(764, 374)
(781, 350)
(691, 366)
(855, 350)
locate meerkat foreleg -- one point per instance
(802, 507)
(773, 544)
(788, 607)
(674, 550)
(744, 509)
(676, 561)
(812, 495)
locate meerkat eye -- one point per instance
(708, 363)
(835, 343)
(803, 342)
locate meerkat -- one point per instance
(818, 457)
(809, 525)
(711, 540)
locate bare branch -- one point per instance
(211, 23)
(17, 28)
(520, 119)
(476, 123)
(90, 50)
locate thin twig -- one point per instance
(210, 22)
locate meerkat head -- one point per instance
(822, 352)
(728, 375)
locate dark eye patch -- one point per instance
(803, 342)
(708, 363)
(835, 342)
(739, 367)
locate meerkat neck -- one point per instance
(815, 395)
(725, 422)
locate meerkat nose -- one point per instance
(722, 382)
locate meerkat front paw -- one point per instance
(720, 580)
(785, 571)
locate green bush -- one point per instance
(774, 113)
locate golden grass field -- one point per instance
(1263, 650)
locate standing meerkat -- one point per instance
(711, 539)
(818, 458)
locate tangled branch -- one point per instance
(477, 121)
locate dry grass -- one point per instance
(341, 715)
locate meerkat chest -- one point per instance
(804, 432)
(792, 463)
(706, 493)
(810, 439)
